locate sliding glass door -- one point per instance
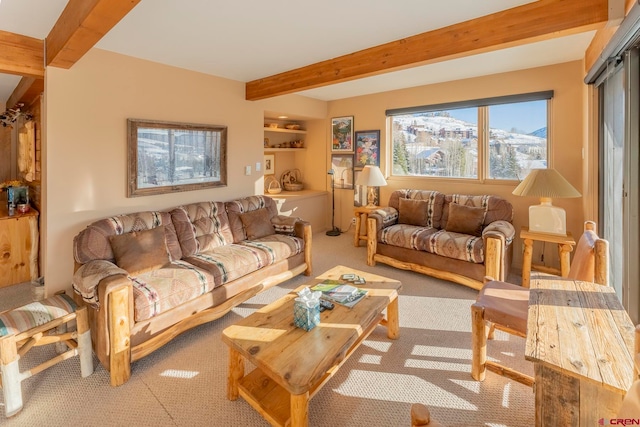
(618, 175)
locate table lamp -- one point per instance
(546, 184)
(372, 177)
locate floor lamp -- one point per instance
(335, 231)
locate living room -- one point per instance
(85, 146)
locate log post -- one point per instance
(120, 334)
(372, 241)
(478, 343)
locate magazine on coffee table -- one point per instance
(340, 292)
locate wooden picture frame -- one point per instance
(342, 165)
(367, 150)
(269, 164)
(342, 134)
(168, 157)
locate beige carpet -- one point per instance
(184, 383)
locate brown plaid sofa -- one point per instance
(455, 237)
(149, 276)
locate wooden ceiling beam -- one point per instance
(21, 55)
(539, 20)
(600, 40)
(80, 26)
(27, 91)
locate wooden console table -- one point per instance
(581, 341)
(565, 246)
(19, 238)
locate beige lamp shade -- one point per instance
(546, 184)
(372, 177)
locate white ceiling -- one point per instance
(247, 40)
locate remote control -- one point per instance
(326, 305)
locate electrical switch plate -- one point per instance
(247, 170)
(258, 166)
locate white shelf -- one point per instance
(279, 130)
(271, 150)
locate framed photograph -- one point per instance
(342, 165)
(269, 164)
(342, 133)
(167, 157)
(367, 148)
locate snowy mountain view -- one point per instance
(437, 144)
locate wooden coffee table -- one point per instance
(292, 364)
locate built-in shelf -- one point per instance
(279, 130)
(269, 150)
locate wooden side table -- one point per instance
(362, 214)
(565, 246)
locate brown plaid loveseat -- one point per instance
(149, 276)
(455, 237)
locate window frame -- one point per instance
(482, 105)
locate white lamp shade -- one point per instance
(371, 176)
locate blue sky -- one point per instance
(524, 116)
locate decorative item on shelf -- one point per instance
(372, 177)
(546, 184)
(297, 144)
(17, 193)
(335, 231)
(292, 126)
(271, 125)
(291, 180)
(10, 115)
(272, 184)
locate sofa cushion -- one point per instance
(412, 212)
(230, 262)
(435, 201)
(465, 219)
(407, 236)
(237, 207)
(457, 245)
(162, 289)
(257, 224)
(93, 243)
(201, 227)
(497, 208)
(140, 251)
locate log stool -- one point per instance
(24, 327)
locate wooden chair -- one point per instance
(504, 306)
(40, 323)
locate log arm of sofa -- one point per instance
(498, 238)
(376, 221)
(303, 231)
(107, 289)
(293, 225)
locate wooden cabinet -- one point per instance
(19, 238)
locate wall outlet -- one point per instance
(353, 220)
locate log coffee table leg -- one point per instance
(393, 320)
(236, 372)
(300, 410)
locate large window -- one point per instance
(498, 138)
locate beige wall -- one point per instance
(567, 136)
(85, 146)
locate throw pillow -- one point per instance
(140, 251)
(413, 212)
(257, 224)
(465, 219)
